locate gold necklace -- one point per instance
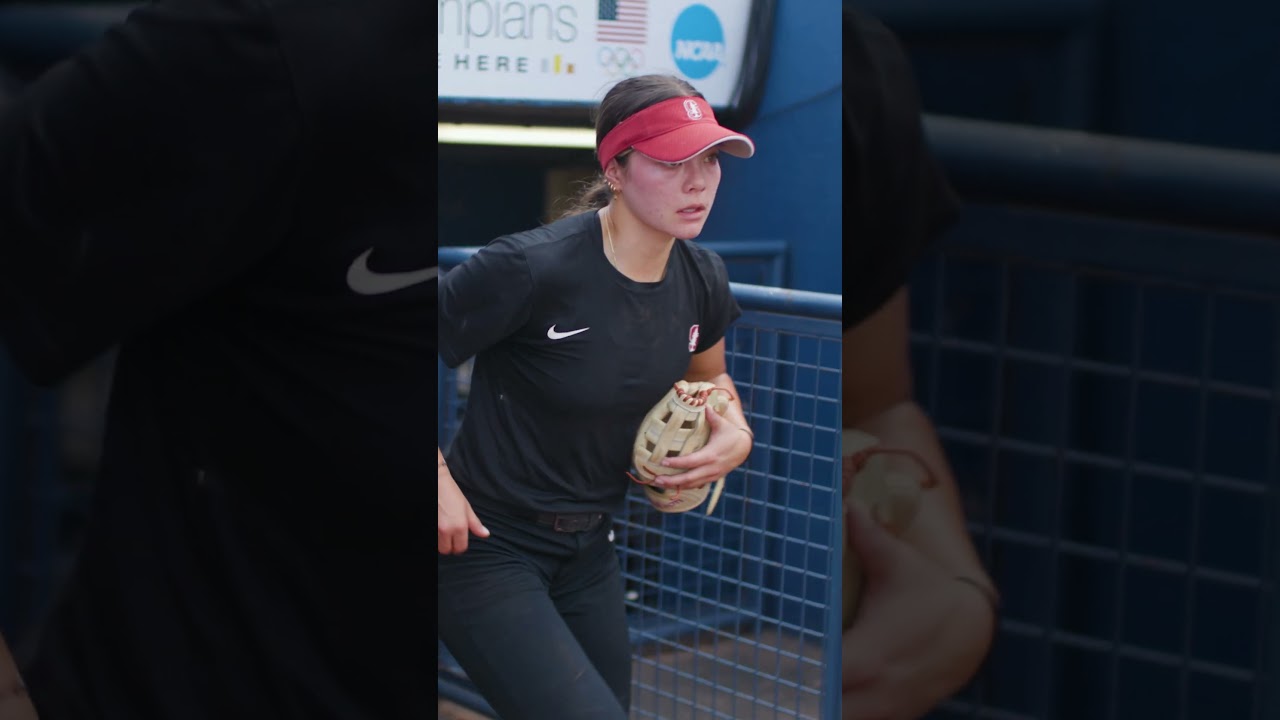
(608, 235)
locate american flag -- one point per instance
(622, 21)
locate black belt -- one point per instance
(560, 522)
(570, 522)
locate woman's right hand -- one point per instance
(456, 518)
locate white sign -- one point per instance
(573, 51)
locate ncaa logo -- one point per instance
(692, 110)
(693, 338)
(697, 42)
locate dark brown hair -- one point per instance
(623, 100)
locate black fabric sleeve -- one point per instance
(483, 300)
(721, 307)
(897, 199)
(139, 175)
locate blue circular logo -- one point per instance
(697, 42)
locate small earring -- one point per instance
(613, 189)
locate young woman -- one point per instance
(577, 329)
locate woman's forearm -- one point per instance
(940, 533)
(939, 530)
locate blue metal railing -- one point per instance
(1108, 175)
(1098, 341)
(736, 616)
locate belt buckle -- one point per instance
(572, 523)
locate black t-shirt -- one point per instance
(570, 355)
(235, 193)
(897, 200)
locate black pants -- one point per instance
(536, 619)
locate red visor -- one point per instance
(673, 130)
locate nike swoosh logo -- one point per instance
(551, 333)
(364, 281)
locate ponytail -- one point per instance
(595, 195)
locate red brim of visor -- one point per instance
(674, 130)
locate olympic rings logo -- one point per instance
(620, 60)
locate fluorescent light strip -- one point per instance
(516, 135)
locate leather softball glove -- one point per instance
(676, 426)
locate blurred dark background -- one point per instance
(1098, 339)
(49, 437)
(1186, 71)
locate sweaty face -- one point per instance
(672, 198)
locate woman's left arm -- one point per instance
(926, 621)
(731, 436)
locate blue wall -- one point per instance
(1188, 71)
(1178, 70)
(790, 190)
